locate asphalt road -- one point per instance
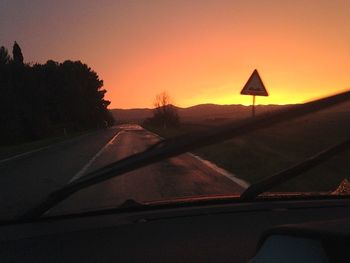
(26, 181)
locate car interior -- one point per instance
(256, 226)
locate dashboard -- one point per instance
(228, 232)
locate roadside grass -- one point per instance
(259, 154)
(13, 150)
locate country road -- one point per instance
(27, 180)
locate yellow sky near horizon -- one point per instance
(197, 51)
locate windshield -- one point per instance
(85, 84)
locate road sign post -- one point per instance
(254, 87)
(253, 107)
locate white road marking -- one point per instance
(222, 171)
(88, 164)
(18, 156)
(214, 167)
(24, 154)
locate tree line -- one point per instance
(41, 100)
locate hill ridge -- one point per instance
(195, 113)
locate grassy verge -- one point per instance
(263, 153)
(13, 150)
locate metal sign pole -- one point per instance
(253, 107)
(254, 87)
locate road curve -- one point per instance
(180, 176)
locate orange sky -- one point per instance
(198, 51)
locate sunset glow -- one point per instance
(198, 51)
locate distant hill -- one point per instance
(131, 115)
(195, 113)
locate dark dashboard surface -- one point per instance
(210, 233)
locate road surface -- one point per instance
(27, 180)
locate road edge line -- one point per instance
(220, 170)
(22, 155)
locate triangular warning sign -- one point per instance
(254, 86)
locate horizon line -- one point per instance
(238, 104)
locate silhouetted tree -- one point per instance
(4, 56)
(164, 113)
(17, 54)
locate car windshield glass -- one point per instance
(85, 84)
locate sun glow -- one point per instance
(198, 52)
